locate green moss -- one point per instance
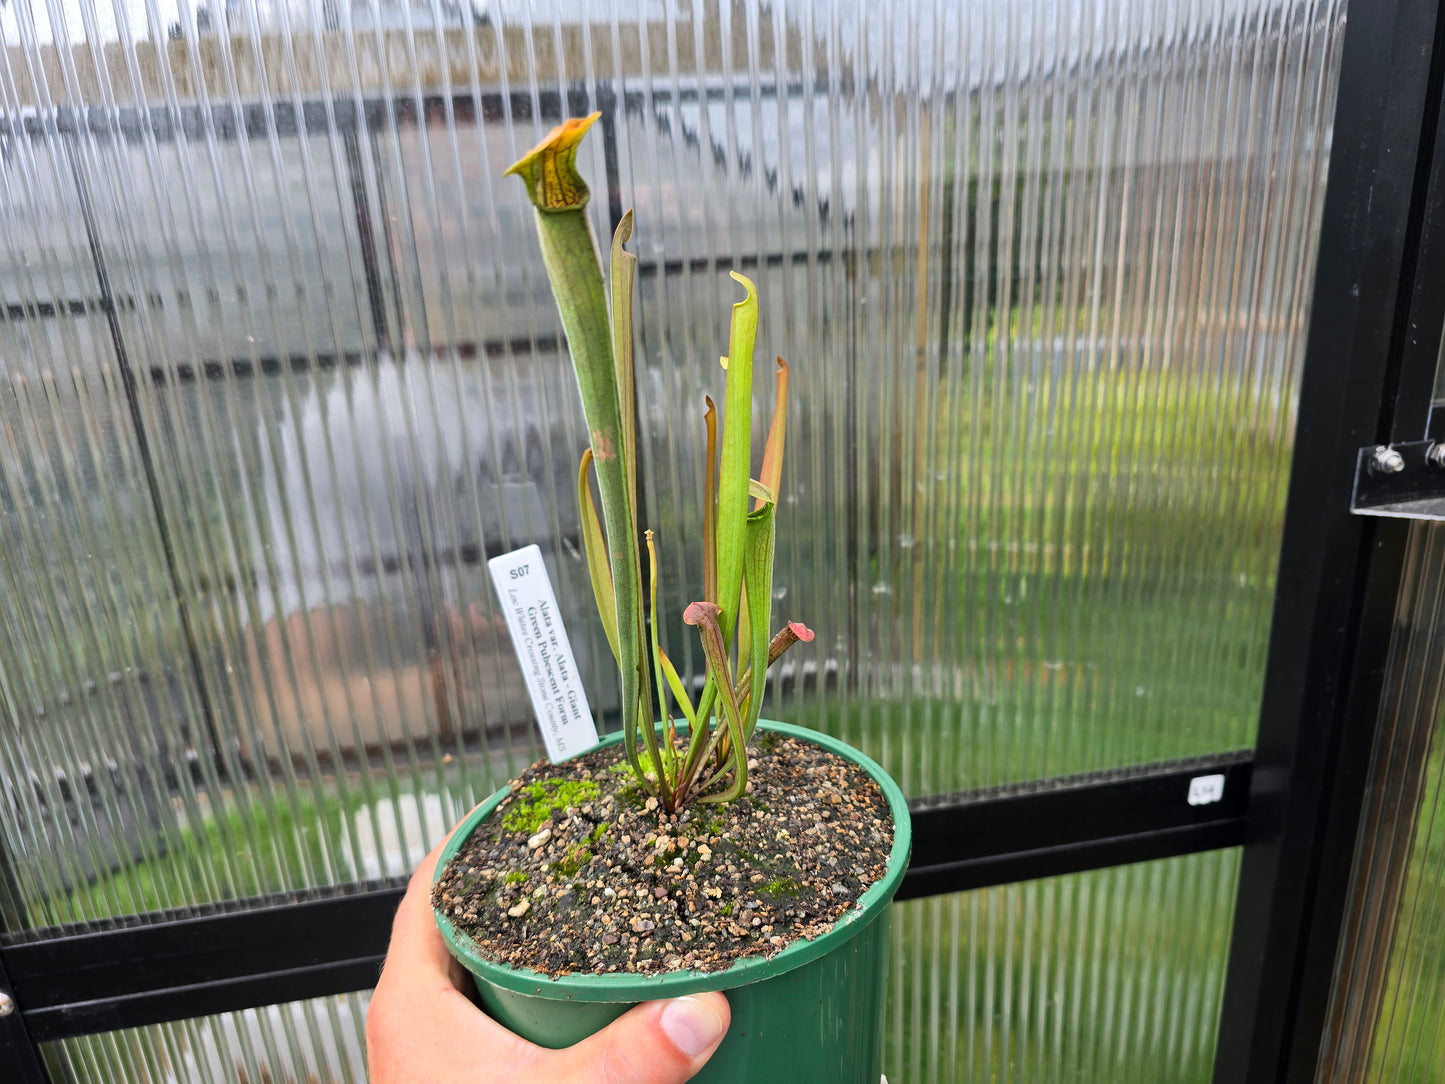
(533, 805)
(780, 886)
(573, 861)
(517, 877)
(629, 791)
(725, 910)
(580, 853)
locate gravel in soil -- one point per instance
(578, 870)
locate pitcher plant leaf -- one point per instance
(549, 170)
(734, 471)
(772, 472)
(574, 269)
(679, 691)
(709, 506)
(758, 579)
(595, 547)
(705, 616)
(624, 268)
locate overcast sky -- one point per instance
(987, 39)
(142, 14)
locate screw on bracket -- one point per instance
(7, 1004)
(1385, 460)
(1435, 455)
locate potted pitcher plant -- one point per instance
(704, 847)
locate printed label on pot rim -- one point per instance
(543, 652)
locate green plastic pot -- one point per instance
(812, 1013)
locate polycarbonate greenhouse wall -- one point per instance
(280, 370)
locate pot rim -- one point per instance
(630, 987)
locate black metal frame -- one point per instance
(82, 980)
(18, 1053)
(1378, 317)
(1369, 358)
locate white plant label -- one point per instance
(544, 652)
(1206, 789)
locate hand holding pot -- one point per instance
(422, 1029)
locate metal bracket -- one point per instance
(1406, 480)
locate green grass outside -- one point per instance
(1109, 602)
(254, 847)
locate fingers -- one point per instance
(414, 933)
(420, 1028)
(695, 1025)
(419, 1025)
(658, 1042)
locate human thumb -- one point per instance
(658, 1042)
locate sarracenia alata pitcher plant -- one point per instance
(734, 615)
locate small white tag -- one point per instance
(544, 652)
(1204, 789)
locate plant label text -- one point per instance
(544, 652)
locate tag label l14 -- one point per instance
(543, 652)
